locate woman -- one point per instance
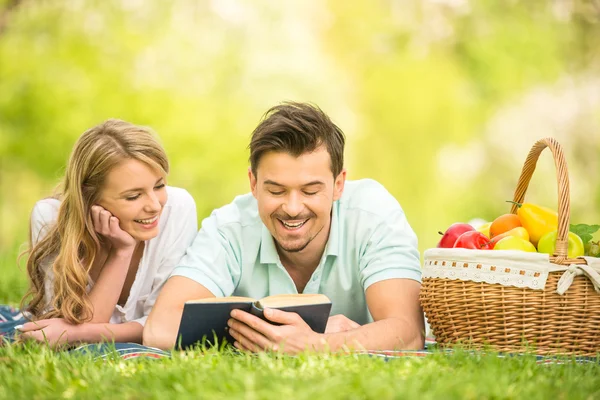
(102, 249)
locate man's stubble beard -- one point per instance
(300, 248)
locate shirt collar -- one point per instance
(332, 246)
(268, 252)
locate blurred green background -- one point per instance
(440, 100)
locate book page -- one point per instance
(230, 299)
(285, 300)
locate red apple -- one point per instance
(452, 233)
(474, 240)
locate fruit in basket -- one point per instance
(474, 240)
(547, 244)
(452, 233)
(519, 232)
(485, 229)
(587, 247)
(514, 243)
(594, 249)
(504, 223)
(589, 234)
(538, 220)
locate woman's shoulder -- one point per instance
(45, 210)
(179, 197)
(178, 214)
(43, 216)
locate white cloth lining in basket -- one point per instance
(508, 268)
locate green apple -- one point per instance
(547, 244)
(514, 243)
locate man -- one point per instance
(303, 229)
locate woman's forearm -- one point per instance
(103, 332)
(107, 288)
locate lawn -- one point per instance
(34, 372)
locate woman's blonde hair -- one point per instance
(71, 245)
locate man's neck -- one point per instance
(305, 260)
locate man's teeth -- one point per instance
(146, 221)
(293, 225)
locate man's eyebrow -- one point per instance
(270, 182)
(139, 189)
(312, 183)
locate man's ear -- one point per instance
(338, 185)
(252, 180)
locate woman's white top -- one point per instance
(178, 226)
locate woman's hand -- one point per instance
(54, 332)
(107, 225)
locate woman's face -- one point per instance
(135, 193)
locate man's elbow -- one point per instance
(413, 337)
(417, 342)
(418, 338)
(157, 338)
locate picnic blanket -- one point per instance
(11, 317)
(131, 350)
(125, 351)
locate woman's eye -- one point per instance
(275, 193)
(162, 185)
(310, 193)
(132, 198)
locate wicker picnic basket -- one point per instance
(509, 300)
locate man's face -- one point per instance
(295, 197)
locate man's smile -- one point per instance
(293, 225)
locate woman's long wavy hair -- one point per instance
(71, 245)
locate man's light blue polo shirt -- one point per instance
(370, 240)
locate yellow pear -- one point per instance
(514, 243)
(485, 229)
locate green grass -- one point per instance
(36, 372)
(13, 281)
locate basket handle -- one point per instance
(564, 205)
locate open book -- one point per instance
(207, 318)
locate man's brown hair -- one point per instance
(296, 129)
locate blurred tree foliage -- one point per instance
(439, 86)
(441, 100)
